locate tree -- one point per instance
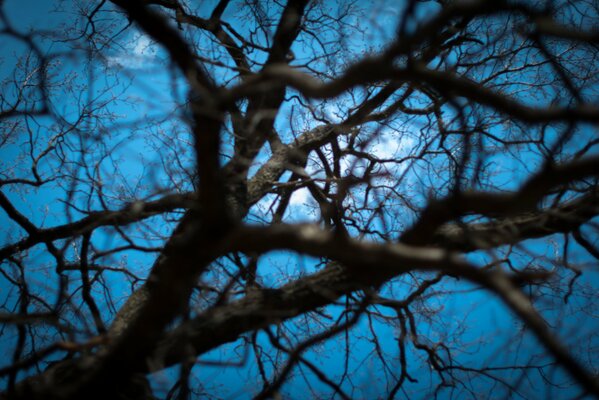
(334, 191)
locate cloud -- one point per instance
(384, 149)
(299, 197)
(137, 54)
(143, 46)
(390, 144)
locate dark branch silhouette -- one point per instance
(415, 160)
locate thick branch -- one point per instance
(134, 212)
